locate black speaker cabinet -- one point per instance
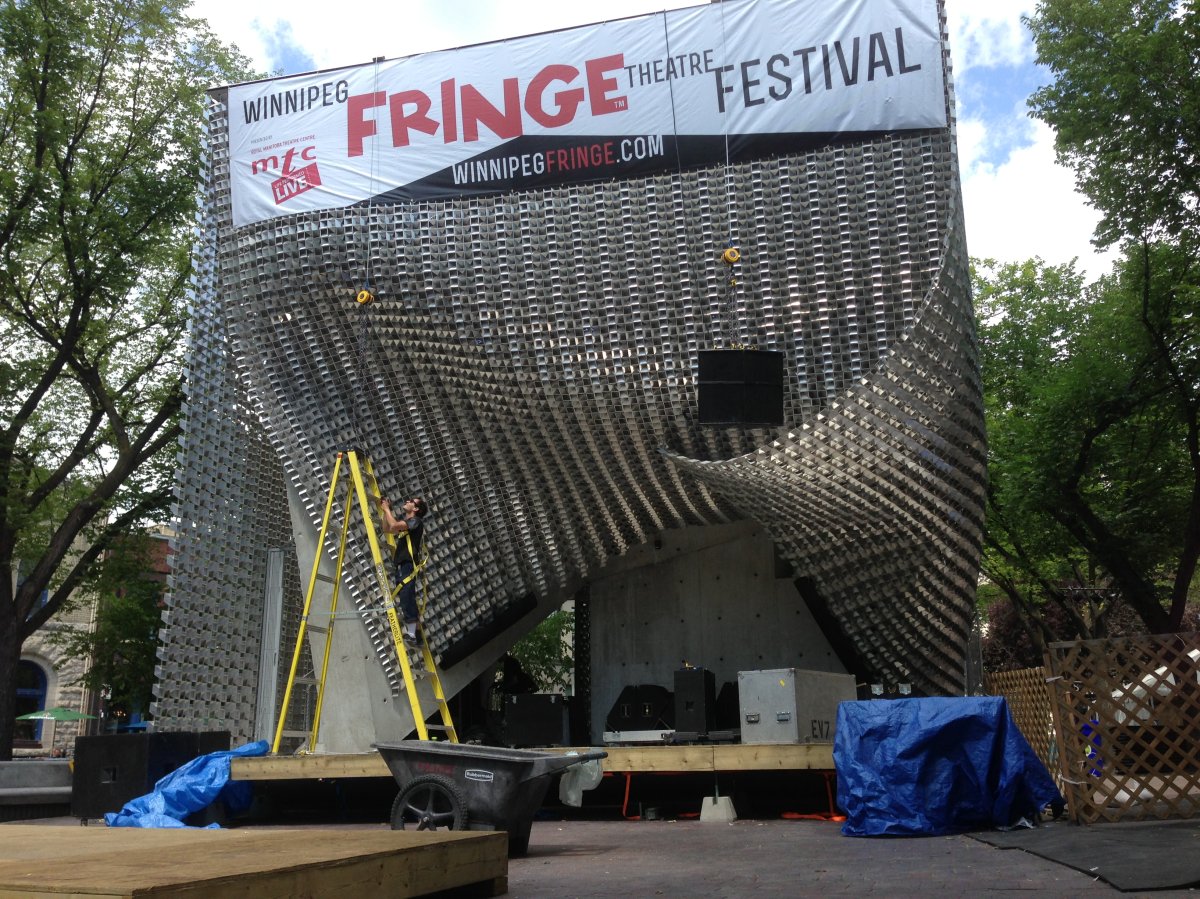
(642, 707)
(536, 719)
(729, 707)
(740, 387)
(111, 769)
(695, 701)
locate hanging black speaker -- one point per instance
(740, 387)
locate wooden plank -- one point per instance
(774, 757)
(240, 864)
(621, 759)
(649, 759)
(309, 767)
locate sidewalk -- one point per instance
(777, 858)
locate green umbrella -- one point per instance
(55, 714)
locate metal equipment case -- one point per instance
(791, 705)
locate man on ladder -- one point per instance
(409, 557)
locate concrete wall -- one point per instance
(712, 596)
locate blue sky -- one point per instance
(1018, 202)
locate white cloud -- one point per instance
(972, 143)
(981, 33)
(984, 34)
(364, 29)
(1028, 206)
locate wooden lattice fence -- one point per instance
(1126, 716)
(1029, 702)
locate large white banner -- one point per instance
(736, 80)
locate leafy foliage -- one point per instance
(1009, 645)
(1092, 466)
(123, 643)
(547, 652)
(1125, 108)
(101, 116)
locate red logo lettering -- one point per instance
(295, 183)
(464, 108)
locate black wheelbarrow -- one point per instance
(467, 787)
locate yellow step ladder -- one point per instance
(357, 497)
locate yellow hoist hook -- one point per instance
(731, 256)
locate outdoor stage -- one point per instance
(36, 860)
(635, 775)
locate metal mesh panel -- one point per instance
(230, 507)
(530, 368)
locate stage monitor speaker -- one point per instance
(740, 387)
(642, 707)
(695, 701)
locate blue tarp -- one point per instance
(910, 767)
(190, 788)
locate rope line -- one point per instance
(725, 126)
(366, 295)
(374, 183)
(671, 89)
(728, 312)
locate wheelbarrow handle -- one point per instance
(589, 756)
(551, 763)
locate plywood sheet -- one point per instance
(40, 860)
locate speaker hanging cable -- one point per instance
(730, 254)
(366, 293)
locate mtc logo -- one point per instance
(295, 177)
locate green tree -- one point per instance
(1093, 393)
(101, 117)
(1094, 475)
(1125, 108)
(122, 644)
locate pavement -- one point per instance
(753, 858)
(575, 859)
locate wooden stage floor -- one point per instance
(58, 861)
(697, 758)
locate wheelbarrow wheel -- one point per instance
(429, 802)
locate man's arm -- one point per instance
(391, 524)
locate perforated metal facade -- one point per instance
(530, 368)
